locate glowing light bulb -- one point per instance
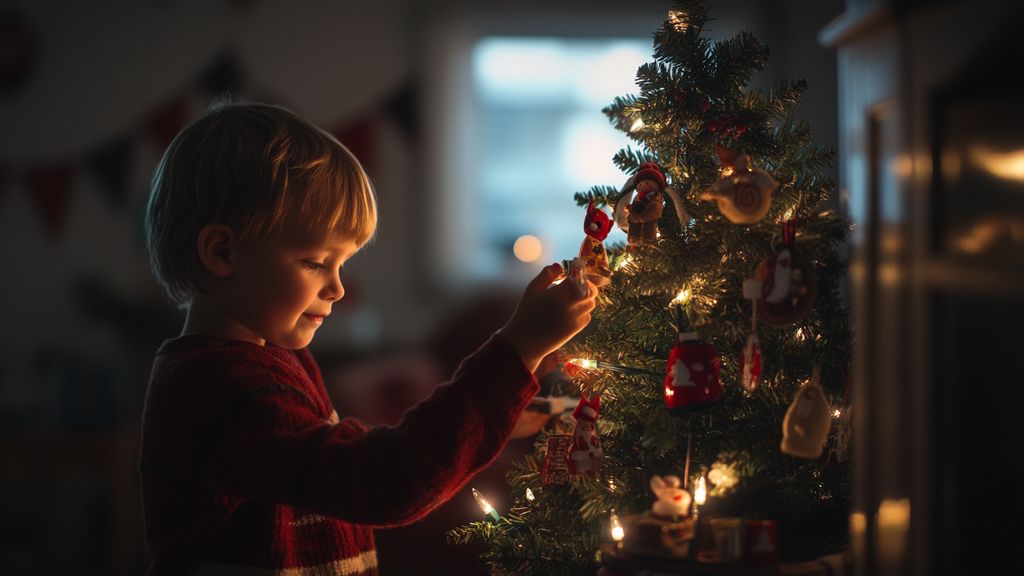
(585, 363)
(836, 413)
(637, 125)
(485, 505)
(618, 533)
(682, 297)
(700, 495)
(529, 495)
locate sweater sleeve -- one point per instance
(276, 446)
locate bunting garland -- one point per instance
(51, 183)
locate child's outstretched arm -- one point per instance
(547, 316)
(254, 432)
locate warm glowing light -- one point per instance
(700, 495)
(893, 523)
(669, 392)
(529, 495)
(1006, 165)
(726, 171)
(799, 334)
(586, 363)
(617, 532)
(788, 215)
(637, 125)
(527, 248)
(677, 18)
(624, 262)
(682, 297)
(836, 413)
(485, 505)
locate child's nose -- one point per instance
(334, 290)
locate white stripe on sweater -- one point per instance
(344, 567)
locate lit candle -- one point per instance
(485, 505)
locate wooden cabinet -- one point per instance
(931, 164)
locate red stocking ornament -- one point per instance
(693, 371)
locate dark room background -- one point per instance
(90, 95)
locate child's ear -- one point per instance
(216, 244)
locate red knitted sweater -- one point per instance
(246, 468)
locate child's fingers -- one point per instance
(542, 280)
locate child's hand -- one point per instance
(547, 316)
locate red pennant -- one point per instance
(50, 188)
(165, 123)
(357, 136)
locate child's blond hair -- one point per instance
(255, 168)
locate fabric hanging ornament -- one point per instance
(789, 286)
(750, 358)
(556, 459)
(744, 194)
(693, 373)
(638, 216)
(586, 454)
(806, 424)
(596, 226)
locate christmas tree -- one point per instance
(720, 346)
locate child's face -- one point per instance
(281, 291)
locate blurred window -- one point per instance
(538, 135)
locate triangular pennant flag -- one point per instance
(223, 77)
(403, 105)
(50, 187)
(163, 124)
(112, 165)
(357, 136)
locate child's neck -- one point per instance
(206, 317)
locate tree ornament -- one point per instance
(789, 285)
(586, 455)
(673, 500)
(844, 433)
(692, 377)
(556, 459)
(638, 217)
(807, 422)
(750, 358)
(744, 195)
(596, 226)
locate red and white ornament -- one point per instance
(586, 454)
(750, 358)
(789, 286)
(693, 373)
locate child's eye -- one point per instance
(313, 265)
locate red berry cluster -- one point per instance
(730, 127)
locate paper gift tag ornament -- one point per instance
(744, 195)
(596, 226)
(806, 425)
(586, 454)
(789, 285)
(692, 377)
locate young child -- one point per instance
(245, 466)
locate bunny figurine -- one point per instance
(673, 500)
